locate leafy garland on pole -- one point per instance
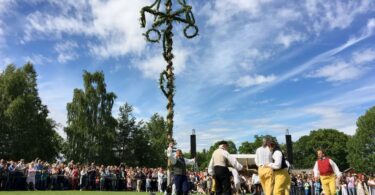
(161, 20)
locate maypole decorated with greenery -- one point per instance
(161, 29)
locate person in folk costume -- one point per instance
(179, 169)
(218, 167)
(279, 165)
(326, 170)
(263, 156)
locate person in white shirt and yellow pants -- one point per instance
(280, 170)
(263, 157)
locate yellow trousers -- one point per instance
(266, 179)
(282, 182)
(329, 184)
(213, 188)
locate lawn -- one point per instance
(72, 193)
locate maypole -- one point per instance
(161, 29)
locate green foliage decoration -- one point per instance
(161, 28)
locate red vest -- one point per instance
(325, 167)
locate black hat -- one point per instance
(223, 142)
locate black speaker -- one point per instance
(193, 146)
(289, 148)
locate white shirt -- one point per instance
(226, 155)
(160, 176)
(333, 165)
(263, 156)
(173, 158)
(20, 167)
(236, 178)
(255, 179)
(278, 159)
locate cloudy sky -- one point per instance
(257, 67)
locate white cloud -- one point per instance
(66, 51)
(370, 26)
(37, 59)
(353, 98)
(365, 56)
(335, 14)
(286, 39)
(289, 13)
(112, 25)
(340, 71)
(331, 117)
(152, 66)
(224, 10)
(7, 61)
(2, 35)
(346, 70)
(284, 23)
(5, 5)
(247, 81)
(4, 61)
(323, 57)
(337, 112)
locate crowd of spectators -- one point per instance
(40, 175)
(349, 184)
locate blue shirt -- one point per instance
(317, 186)
(11, 168)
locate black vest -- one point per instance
(283, 161)
(180, 167)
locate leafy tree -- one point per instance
(251, 147)
(331, 141)
(156, 129)
(134, 141)
(361, 147)
(91, 127)
(26, 131)
(203, 159)
(126, 125)
(139, 145)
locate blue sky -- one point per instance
(257, 67)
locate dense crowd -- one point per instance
(40, 175)
(349, 184)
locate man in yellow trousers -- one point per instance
(326, 170)
(263, 156)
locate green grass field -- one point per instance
(72, 193)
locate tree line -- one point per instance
(95, 135)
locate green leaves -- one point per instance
(361, 146)
(332, 141)
(91, 127)
(250, 147)
(26, 130)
